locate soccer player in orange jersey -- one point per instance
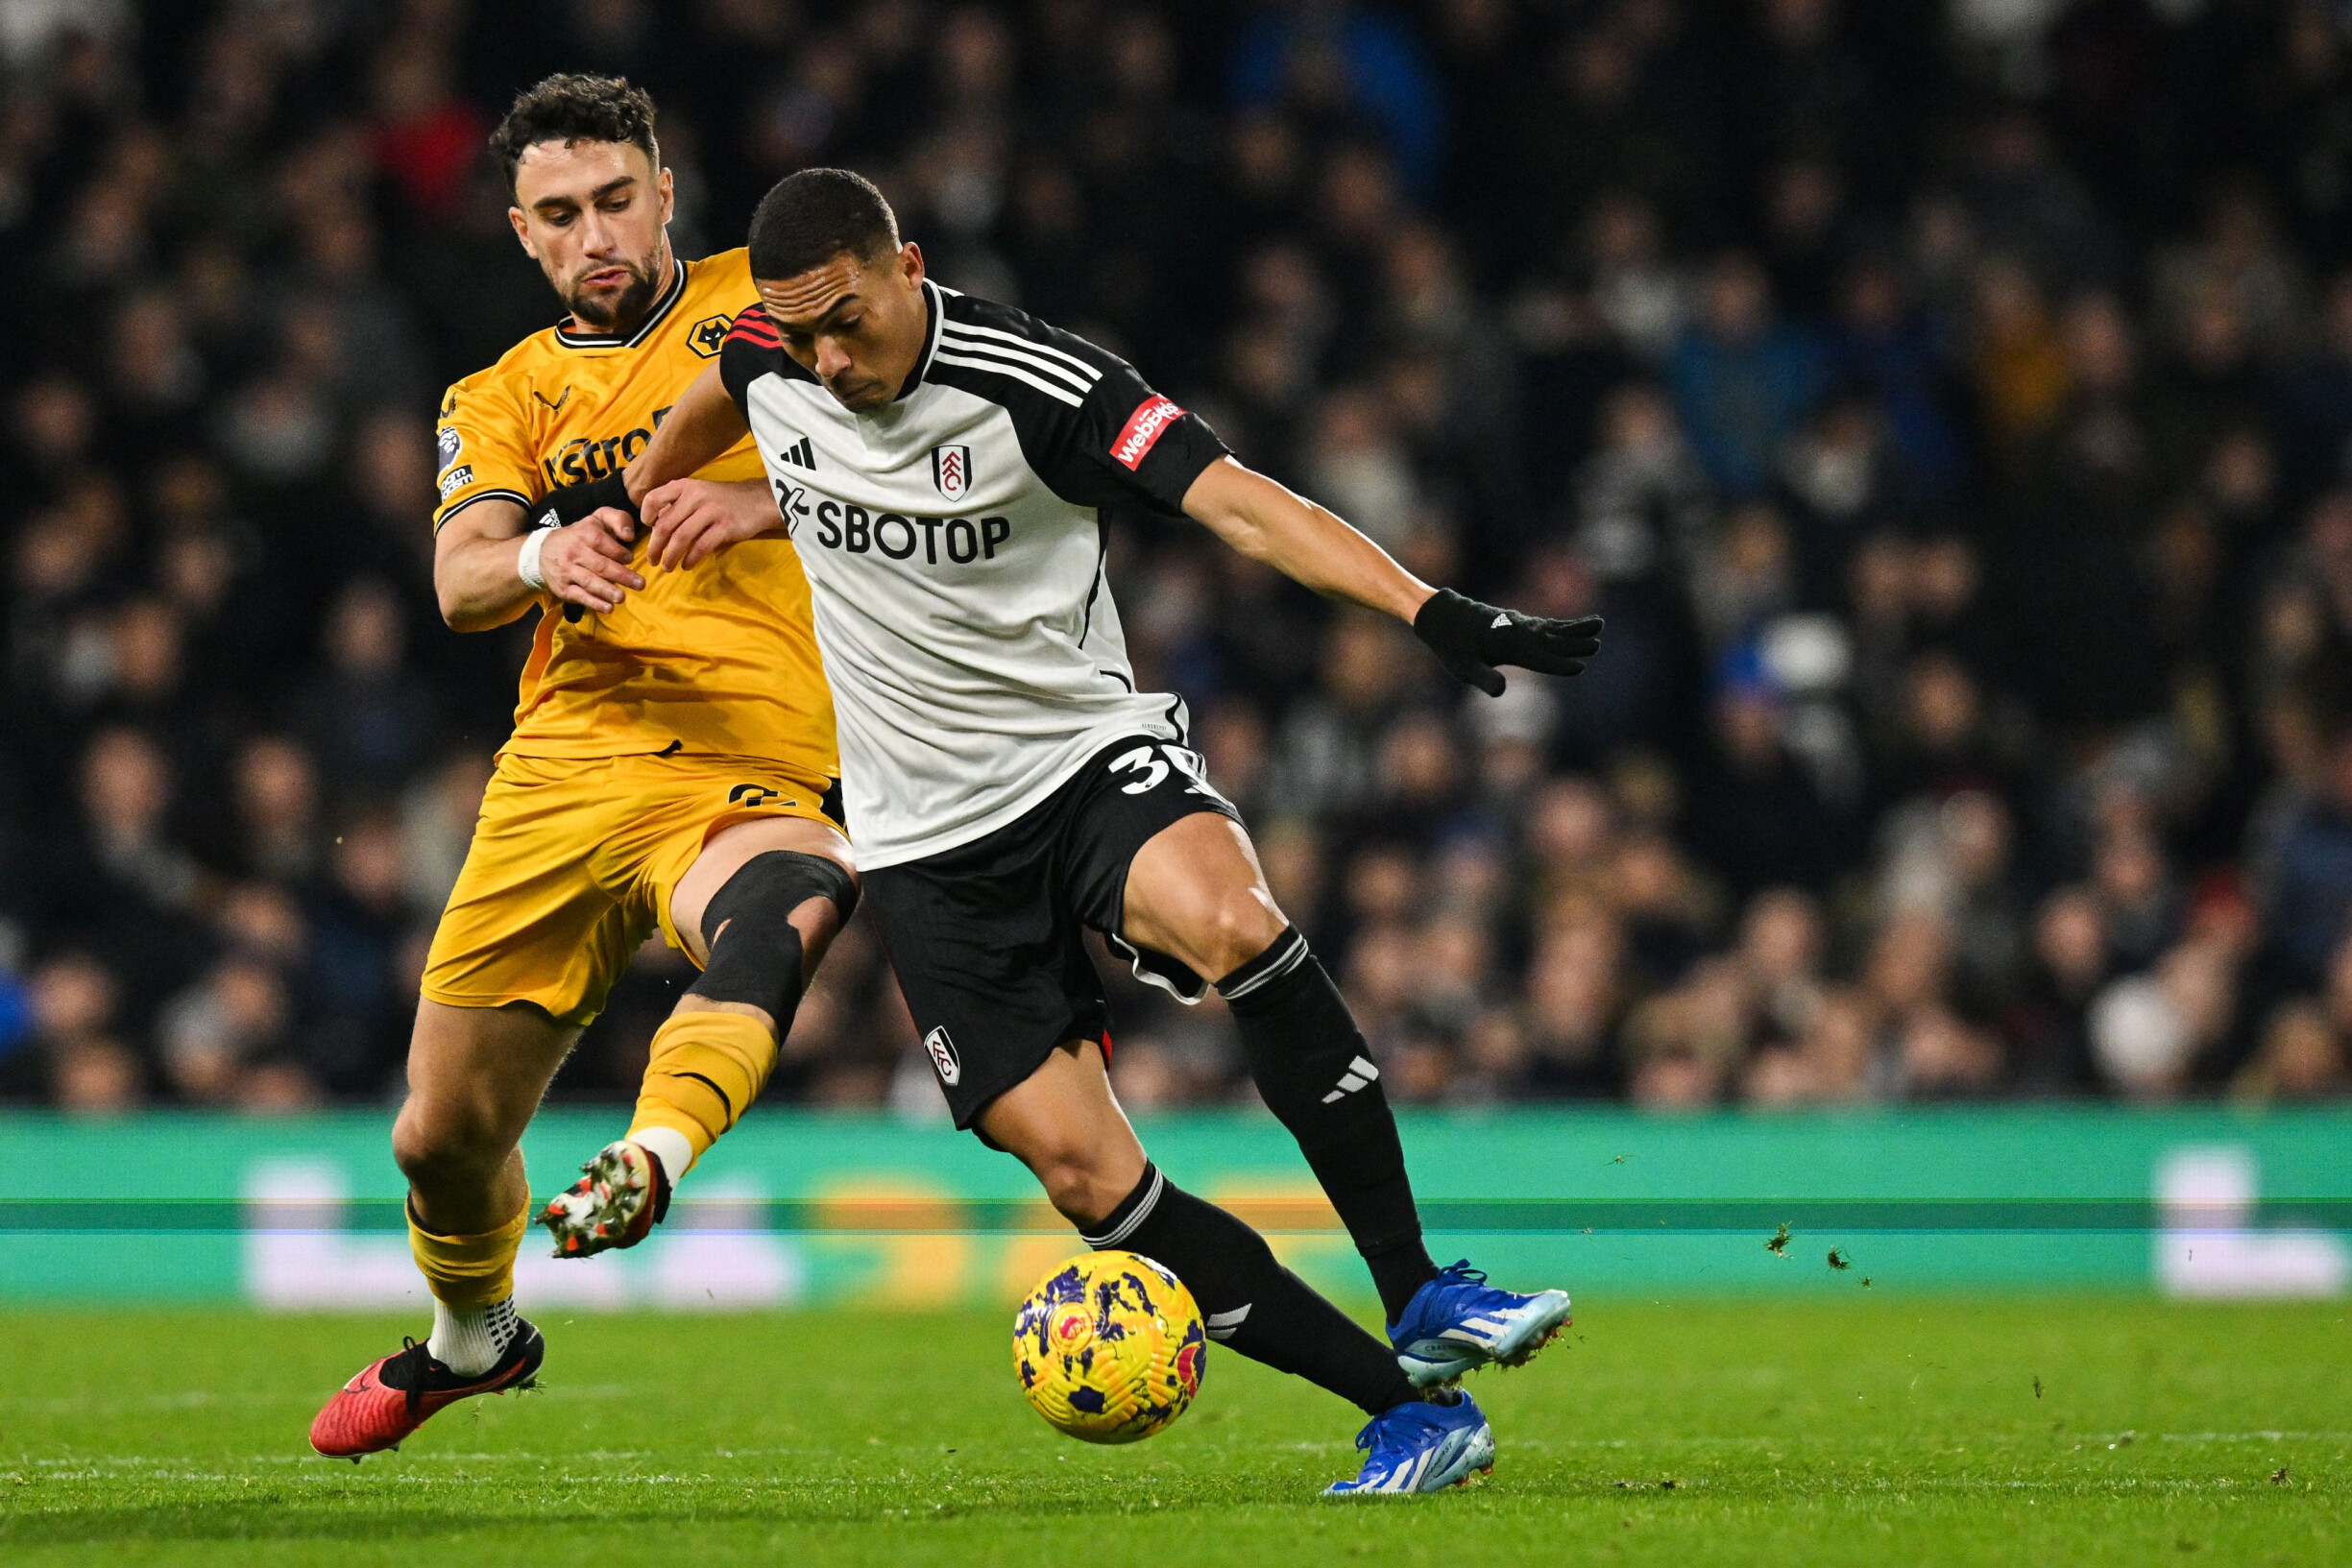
(672, 766)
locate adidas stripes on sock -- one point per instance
(1315, 1074)
(1248, 1298)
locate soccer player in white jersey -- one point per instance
(941, 461)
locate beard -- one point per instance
(621, 312)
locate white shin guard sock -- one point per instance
(469, 1341)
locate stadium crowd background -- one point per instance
(1948, 406)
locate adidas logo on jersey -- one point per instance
(800, 455)
(1360, 1073)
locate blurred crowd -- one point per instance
(1949, 404)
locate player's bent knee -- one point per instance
(1084, 1178)
(756, 952)
(1080, 1190)
(1243, 927)
(435, 1151)
(709, 1064)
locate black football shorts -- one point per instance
(989, 938)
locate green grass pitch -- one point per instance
(1888, 1429)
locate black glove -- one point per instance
(1471, 638)
(570, 504)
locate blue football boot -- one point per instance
(1457, 1323)
(1421, 1447)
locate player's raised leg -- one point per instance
(475, 1075)
(1064, 1123)
(1196, 892)
(757, 911)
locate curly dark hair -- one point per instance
(568, 107)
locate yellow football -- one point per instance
(1109, 1347)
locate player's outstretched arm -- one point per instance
(487, 556)
(1278, 528)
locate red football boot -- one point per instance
(379, 1408)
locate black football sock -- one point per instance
(1315, 1074)
(1250, 1300)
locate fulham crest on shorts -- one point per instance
(943, 1056)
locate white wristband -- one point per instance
(526, 558)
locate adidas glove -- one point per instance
(1471, 639)
(570, 504)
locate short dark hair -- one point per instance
(569, 107)
(807, 218)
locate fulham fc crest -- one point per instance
(943, 1049)
(951, 469)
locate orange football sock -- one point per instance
(468, 1271)
(706, 1068)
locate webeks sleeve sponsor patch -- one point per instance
(1143, 429)
(1145, 441)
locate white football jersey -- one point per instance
(954, 546)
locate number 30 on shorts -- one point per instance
(1152, 765)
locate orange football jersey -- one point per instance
(719, 658)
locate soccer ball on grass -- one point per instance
(1109, 1347)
